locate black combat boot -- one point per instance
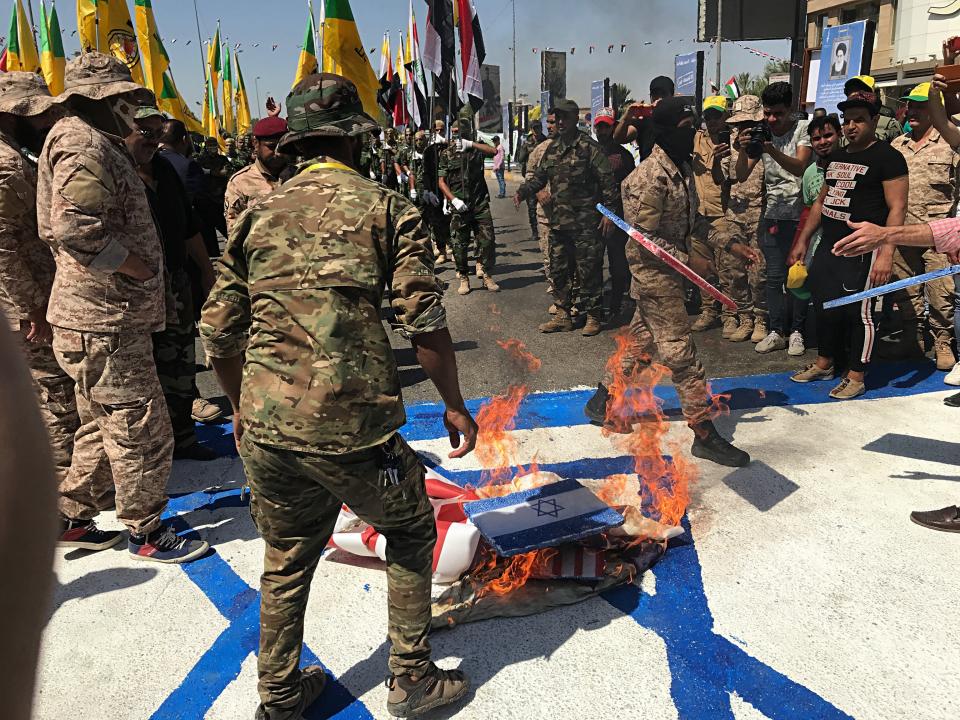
(709, 445)
(596, 407)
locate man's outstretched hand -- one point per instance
(866, 237)
(459, 422)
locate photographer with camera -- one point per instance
(783, 145)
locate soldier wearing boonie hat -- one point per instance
(106, 301)
(316, 428)
(932, 196)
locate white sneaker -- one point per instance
(953, 377)
(773, 341)
(797, 347)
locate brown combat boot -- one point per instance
(489, 284)
(464, 288)
(560, 322)
(945, 357)
(708, 319)
(730, 326)
(759, 331)
(410, 695)
(313, 681)
(593, 326)
(744, 331)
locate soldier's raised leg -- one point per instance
(460, 245)
(486, 247)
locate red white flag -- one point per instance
(472, 52)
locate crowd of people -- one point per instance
(109, 223)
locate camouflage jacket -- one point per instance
(659, 200)
(93, 211)
(579, 176)
(299, 291)
(933, 177)
(246, 186)
(464, 174)
(533, 162)
(710, 176)
(745, 203)
(26, 264)
(404, 155)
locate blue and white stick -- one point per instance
(892, 287)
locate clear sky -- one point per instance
(558, 24)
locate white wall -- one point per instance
(920, 34)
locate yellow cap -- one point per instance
(921, 93)
(715, 102)
(864, 79)
(796, 276)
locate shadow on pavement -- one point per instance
(918, 448)
(760, 485)
(98, 582)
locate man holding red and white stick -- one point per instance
(660, 203)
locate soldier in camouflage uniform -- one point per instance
(742, 222)
(660, 202)
(541, 220)
(933, 196)
(317, 402)
(245, 149)
(463, 184)
(263, 176)
(578, 174)
(430, 147)
(403, 159)
(27, 266)
(388, 159)
(107, 298)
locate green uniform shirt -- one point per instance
(463, 173)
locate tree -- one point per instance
(620, 96)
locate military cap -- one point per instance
(715, 102)
(97, 76)
(920, 93)
(565, 106)
(148, 111)
(270, 127)
(324, 105)
(746, 108)
(24, 93)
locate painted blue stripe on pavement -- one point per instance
(750, 392)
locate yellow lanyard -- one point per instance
(331, 165)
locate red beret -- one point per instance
(270, 127)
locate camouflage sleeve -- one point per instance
(443, 168)
(83, 192)
(234, 203)
(644, 198)
(225, 319)
(604, 175)
(416, 294)
(538, 181)
(16, 279)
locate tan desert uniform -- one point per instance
(27, 267)
(659, 200)
(933, 195)
(245, 187)
(93, 212)
(543, 220)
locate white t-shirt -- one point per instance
(784, 200)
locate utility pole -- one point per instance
(514, 51)
(719, 41)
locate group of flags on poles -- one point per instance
(400, 90)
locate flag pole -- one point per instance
(33, 27)
(96, 24)
(203, 63)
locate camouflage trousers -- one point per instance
(543, 241)
(661, 331)
(123, 421)
(710, 235)
(532, 216)
(439, 227)
(577, 253)
(295, 499)
(908, 262)
(747, 286)
(478, 224)
(175, 355)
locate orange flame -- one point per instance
(497, 578)
(496, 446)
(635, 414)
(518, 353)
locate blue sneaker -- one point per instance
(163, 545)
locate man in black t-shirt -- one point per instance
(865, 181)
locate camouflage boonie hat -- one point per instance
(97, 76)
(746, 108)
(24, 93)
(324, 105)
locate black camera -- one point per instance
(760, 133)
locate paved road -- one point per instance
(799, 591)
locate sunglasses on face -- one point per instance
(150, 134)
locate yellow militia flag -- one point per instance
(93, 21)
(307, 64)
(52, 58)
(152, 52)
(172, 103)
(213, 74)
(343, 50)
(211, 125)
(122, 39)
(244, 121)
(21, 49)
(229, 123)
